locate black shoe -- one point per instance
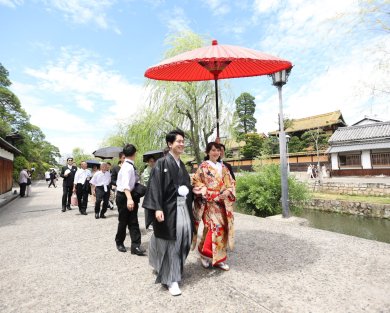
(63, 209)
(138, 251)
(84, 212)
(121, 247)
(68, 207)
(102, 216)
(96, 215)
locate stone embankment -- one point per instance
(351, 188)
(348, 207)
(356, 187)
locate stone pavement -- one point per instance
(65, 262)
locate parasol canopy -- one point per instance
(91, 163)
(217, 62)
(156, 154)
(107, 152)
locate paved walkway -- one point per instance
(66, 262)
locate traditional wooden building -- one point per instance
(7, 154)
(361, 150)
(328, 122)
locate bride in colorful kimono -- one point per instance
(215, 190)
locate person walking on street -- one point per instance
(127, 205)
(53, 178)
(67, 173)
(47, 176)
(80, 187)
(169, 196)
(23, 177)
(29, 181)
(214, 187)
(100, 183)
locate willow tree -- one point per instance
(189, 106)
(145, 131)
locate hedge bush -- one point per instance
(259, 193)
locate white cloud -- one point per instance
(262, 6)
(11, 3)
(176, 20)
(346, 86)
(85, 11)
(77, 73)
(77, 98)
(84, 103)
(218, 7)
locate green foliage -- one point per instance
(295, 144)
(270, 146)
(259, 193)
(36, 151)
(315, 138)
(253, 145)
(20, 162)
(145, 132)
(245, 108)
(79, 155)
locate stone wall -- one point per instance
(366, 189)
(348, 207)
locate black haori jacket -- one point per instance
(164, 181)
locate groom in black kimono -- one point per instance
(168, 199)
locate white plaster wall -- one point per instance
(6, 154)
(366, 159)
(335, 161)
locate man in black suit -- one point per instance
(225, 163)
(67, 173)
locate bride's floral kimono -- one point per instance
(216, 213)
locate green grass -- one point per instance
(366, 199)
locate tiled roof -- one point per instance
(314, 122)
(359, 147)
(376, 131)
(7, 146)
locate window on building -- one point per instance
(381, 159)
(347, 160)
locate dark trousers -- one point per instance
(52, 182)
(22, 191)
(66, 194)
(128, 219)
(101, 196)
(82, 196)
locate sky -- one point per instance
(78, 66)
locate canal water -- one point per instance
(359, 226)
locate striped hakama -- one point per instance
(167, 257)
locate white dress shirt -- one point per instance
(101, 179)
(81, 175)
(23, 177)
(126, 176)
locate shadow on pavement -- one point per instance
(267, 252)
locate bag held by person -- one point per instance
(73, 200)
(138, 192)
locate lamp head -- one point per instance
(280, 78)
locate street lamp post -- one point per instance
(278, 80)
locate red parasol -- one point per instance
(217, 62)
